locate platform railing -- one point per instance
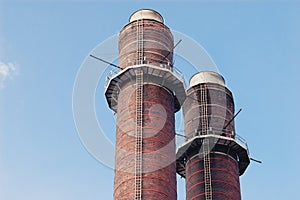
(242, 142)
(221, 132)
(112, 73)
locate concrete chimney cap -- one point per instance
(207, 77)
(146, 14)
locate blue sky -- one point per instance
(255, 44)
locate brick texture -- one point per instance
(158, 44)
(159, 177)
(220, 110)
(223, 167)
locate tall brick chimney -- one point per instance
(213, 156)
(145, 93)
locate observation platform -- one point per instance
(218, 143)
(165, 76)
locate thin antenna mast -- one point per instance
(105, 61)
(258, 161)
(171, 51)
(232, 118)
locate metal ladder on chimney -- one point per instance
(205, 143)
(139, 135)
(140, 41)
(139, 115)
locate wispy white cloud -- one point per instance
(7, 71)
